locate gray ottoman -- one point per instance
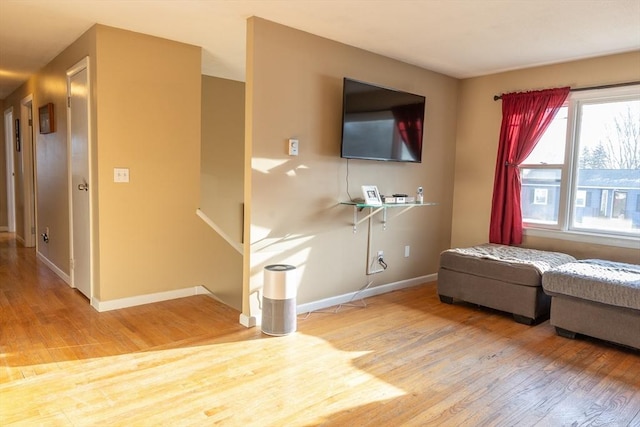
(505, 278)
(597, 298)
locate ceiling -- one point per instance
(460, 38)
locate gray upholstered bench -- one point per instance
(505, 278)
(597, 298)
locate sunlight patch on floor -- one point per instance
(252, 382)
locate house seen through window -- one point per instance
(584, 173)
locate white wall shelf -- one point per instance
(374, 209)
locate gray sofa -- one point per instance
(505, 278)
(597, 298)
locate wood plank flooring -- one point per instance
(405, 359)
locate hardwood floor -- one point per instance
(405, 359)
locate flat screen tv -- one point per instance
(379, 123)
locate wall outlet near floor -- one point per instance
(375, 266)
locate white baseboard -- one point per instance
(247, 321)
(64, 276)
(147, 299)
(251, 321)
(369, 292)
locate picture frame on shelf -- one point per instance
(371, 195)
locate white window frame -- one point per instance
(568, 192)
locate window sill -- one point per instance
(574, 236)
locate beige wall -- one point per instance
(294, 89)
(222, 154)
(149, 120)
(478, 128)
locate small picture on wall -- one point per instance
(18, 142)
(371, 195)
(46, 119)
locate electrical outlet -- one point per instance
(376, 266)
(407, 251)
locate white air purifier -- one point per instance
(279, 300)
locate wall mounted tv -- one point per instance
(380, 123)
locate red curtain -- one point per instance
(409, 122)
(525, 117)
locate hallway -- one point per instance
(43, 320)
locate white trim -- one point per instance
(83, 64)
(369, 292)
(61, 274)
(9, 143)
(28, 166)
(126, 302)
(248, 321)
(237, 246)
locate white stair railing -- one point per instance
(237, 246)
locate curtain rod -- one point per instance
(578, 89)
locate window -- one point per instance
(540, 196)
(585, 170)
(581, 198)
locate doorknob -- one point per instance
(84, 187)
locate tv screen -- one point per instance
(380, 123)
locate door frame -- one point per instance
(10, 169)
(28, 161)
(79, 66)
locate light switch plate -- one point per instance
(120, 174)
